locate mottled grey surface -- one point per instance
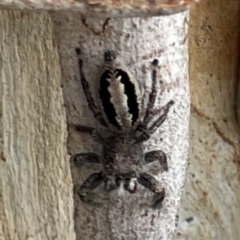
(137, 42)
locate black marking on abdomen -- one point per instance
(105, 96)
(130, 91)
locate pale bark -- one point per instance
(137, 42)
(35, 180)
(36, 185)
(211, 197)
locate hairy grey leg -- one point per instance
(87, 91)
(81, 158)
(90, 130)
(90, 184)
(152, 184)
(152, 98)
(145, 133)
(81, 128)
(161, 119)
(159, 156)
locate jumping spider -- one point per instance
(120, 112)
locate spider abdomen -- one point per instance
(119, 96)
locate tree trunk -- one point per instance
(137, 41)
(36, 185)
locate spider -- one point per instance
(120, 111)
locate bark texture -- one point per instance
(137, 42)
(115, 8)
(210, 207)
(35, 181)
(36, 199)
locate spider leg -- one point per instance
(161, 119)
(87, 91)
(145, 133)
(90, 130)
(152, 184)
(90, 184)
(152, 98)
(81, 158)
(81, 128)
(159, 156)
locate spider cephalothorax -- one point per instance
(120, 110)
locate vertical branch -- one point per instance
(123, 217)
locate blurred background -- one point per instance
(210, 207)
